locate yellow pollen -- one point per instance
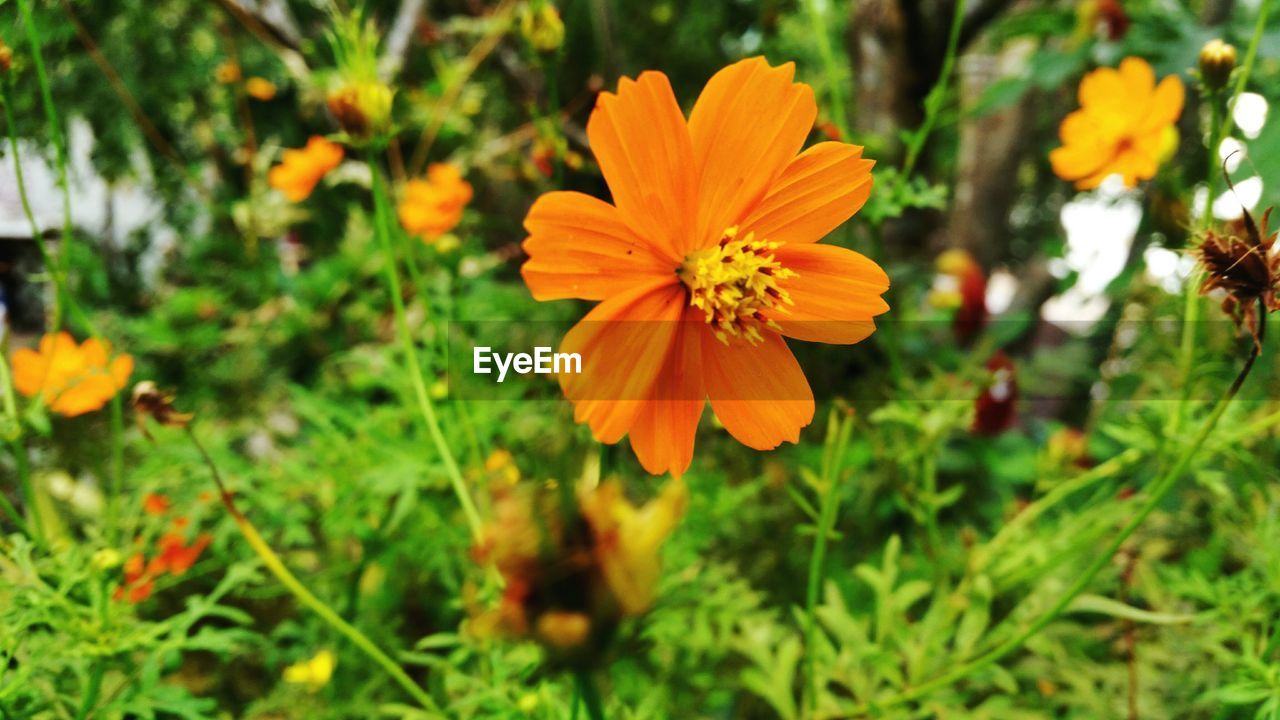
(734, 282)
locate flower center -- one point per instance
(734, 282)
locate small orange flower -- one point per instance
(433, 207)
(1125, 126)
(155, 504)
(301, 169)
(227, 73)
(707, 258)
(260, 88)
(71, 379)
(175, 557)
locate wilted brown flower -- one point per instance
(1246, 269)
(148, 400)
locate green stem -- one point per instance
(46, 258)
(929, 477)
(933, 101)
(413, 367)
(830, 67)
(838, 434)
(55, 125)
(117, 468)
(1251, 55)
(35, 523)
(589, 694)
(1159, 490)
(300, 591)
(91, 693)
(1059, 493)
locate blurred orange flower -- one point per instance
(1125, 126)
(175, 557)
(708, 257)
(260, 88)
(301, 169)
(155, 504)
(433, 207)
(71, 379)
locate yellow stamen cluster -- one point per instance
(734, 282)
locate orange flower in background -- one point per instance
(71, 379)
(155, 504)
(1125, 126)
(260, 88)
(174, 556)
(433, 206)
(297, 175)
(708, 257)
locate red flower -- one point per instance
(996, 408)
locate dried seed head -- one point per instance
(1240, 262)
(148, 400)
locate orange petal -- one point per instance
(1105, 92)
(664, 430)
(747, 125)
(1138, 77)
(623, 343)
(836, 292)
(579, 247)
(121, 369)
(29, 371)
(641, 142)
(85, 396)
(820, 189)
(1166, 104)
(759, 392)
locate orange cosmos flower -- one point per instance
(708, 257)
(71, 379)
(433, 207)
(301, 169)
(260, 88)
(1125, 126)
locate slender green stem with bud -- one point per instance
(277, 567)
(412, 366)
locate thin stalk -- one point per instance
(830, 66)
(1159, 490)
(589, 694)
(34, 522)
(833, 458)
(46, 258)
(933, 101)
(929, 476)
(92, 692)
(1059, 493)
(300, 591)
(117, 468)
(413, 367)
(55, 125)
(1251, 55)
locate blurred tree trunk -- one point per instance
(897, 48)
(990, 150)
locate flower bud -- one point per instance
(540, 24)
(6, 58)
(1217, 60)
(361, 109)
